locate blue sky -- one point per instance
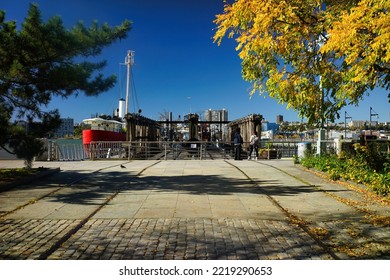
(177, 67)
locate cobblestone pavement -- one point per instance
(150, 239)
(188, 210)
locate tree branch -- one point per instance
(5, 149)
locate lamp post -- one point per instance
(321, 145)
(346, 116)
(372, 113)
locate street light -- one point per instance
(372, 114)
(346, 116)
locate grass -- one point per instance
(9, 175)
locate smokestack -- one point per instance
(122, 108)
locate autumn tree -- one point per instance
(279, 44)
(361, 38)
(42, 60)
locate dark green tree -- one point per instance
(42, 60)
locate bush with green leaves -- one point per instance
(364, 166)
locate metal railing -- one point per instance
(158, 150)
(65, 152)
(102, 149)
(171, 150)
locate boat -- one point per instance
(106, 128)
(103, 130)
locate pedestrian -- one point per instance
(253, 145)
(237, 145)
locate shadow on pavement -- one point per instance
(92, 189)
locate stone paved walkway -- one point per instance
(188, 210)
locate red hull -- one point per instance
(102, 135)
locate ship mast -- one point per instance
(129, 61)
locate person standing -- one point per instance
(238, 141)
(253, 145)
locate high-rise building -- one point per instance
(216, 115)
(216, 130)
(65, 129)
(279, 119)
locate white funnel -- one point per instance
(122, 108)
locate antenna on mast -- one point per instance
(129, 61)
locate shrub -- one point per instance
(365, 166)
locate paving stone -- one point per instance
(191, 210)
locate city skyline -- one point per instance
(178, 68)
